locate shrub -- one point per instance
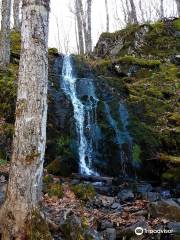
(84, 192)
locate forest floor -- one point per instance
(110, 212)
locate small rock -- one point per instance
(110, 234)
(165, 194)
(116, 206)
(105, 224)
(106, 201)
(151, 196)
(126, 195)
(2, 179)
(92, 234)
(144, 187)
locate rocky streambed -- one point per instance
(78, 209)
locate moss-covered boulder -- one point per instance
(84, 192)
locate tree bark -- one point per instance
(89, 23)
(178, 7)
(162, 9)
(21, 218)
(5, 34)
(133, 16)
(107, 16)
(79, 26)
(16, 14)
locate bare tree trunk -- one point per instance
(133, 16)
(89, 22)
(76, 33)
(142, 11)
(178, 7)
(107, 16)
(162, 9)
(16, 13)
(5, 34)
(21, 218)
(80, 26)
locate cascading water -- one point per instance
(122, 135)
(84, 117)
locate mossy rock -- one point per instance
(169, 158)
(84, 192)
(55, 190)
(172, 175)
(47, 179)
(176, 24)
(53, 51)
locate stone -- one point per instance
(126, 195)
(110, 234)
(144, 187)
(92, 234)
(106, 201)
(165, 208)
(151, 196)
(116, 206)
(175, 226)
(105, 224)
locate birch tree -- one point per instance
(133, 14)
(161, 9)
(178, 7)
(20, 214)
(16, 14)
(107, 16)
(5, 34)
(89, 24)
(79, 26)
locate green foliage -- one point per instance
(84, 192)
(55, 190)
(169, 158)
(139, 61)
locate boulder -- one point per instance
(126, 195)
(110, 234)
(165, 208)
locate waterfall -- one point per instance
(84, 117)
(122, 135)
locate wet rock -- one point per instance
(151, 196)
(109, 234)
(165, 208)
(175, 226)
(92, 234)
(144, 187)
(105, 224)
(126, 195)
(165, 194)
(116, 206)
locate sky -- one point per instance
(62, 22)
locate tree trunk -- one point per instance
(5, 34)
(16, 13)
(89, 37)
(107, 16)
(133, 16)
(178, 7)
(162, 9)
(79, 26)
(21, 218)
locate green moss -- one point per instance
(173, 159)
(55, 190)
(84, 192)
(54, 167)
(53, 51)
(37, 228)
(176, 24)
(172, 175)
(15, 39)
(47, 179)
(3, 162)
(136, 154)
(139, 61)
